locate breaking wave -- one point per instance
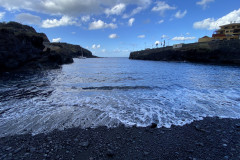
(104, 95)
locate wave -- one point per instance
(117, 88)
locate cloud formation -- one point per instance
(2, 14)
(161, 7)
(164, 36)
(211, 23)
(113, 36)
(130, 21)
(94, 46)
(161, 21)
(116, 10)
(141, 5)
(101, 25)
(180, 14)
(73, 8)
(56, 40)
(64, 21)
(141, 36)
(27, 18)
(204, 3)
(183, 38)
(85, 18)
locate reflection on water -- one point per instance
(110, 91)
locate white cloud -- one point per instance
(142, 5)
(28, 19)
(204, 3)
(104, 50)
(211, 23)
(56, 40)
(141, 36)
(85, 18)
(73, 8)
(116, 10)
(64, 21)
(130, 21)
(94, 46)
(164, 36)
(183, 38)
(58, 7)
(161, 21)
(101, 25)
(161, 7)
(2, 14)
(180, 14)
(135, 11)
(113, 36)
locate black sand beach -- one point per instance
(211, 138)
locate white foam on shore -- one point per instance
(139, 107)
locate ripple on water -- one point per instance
(141, 108)
(109, 95)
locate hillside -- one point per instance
(21, 47)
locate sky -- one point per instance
(114, 28)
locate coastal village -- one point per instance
(222, 48)
(119, 80)
(226, 32)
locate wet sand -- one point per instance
(211, 138)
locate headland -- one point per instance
(22, 48)
(220, 52)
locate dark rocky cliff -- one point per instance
(21, 47)
(221, 52)
(69, 49)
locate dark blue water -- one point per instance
(112, 91)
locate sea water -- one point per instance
(113, 91)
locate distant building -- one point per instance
(226, 32)
(205, 39)
(177, 45)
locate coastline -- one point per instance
(213, 52)
(210, 138)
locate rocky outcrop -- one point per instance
(18, 28)
(21, 47)
(16, 50)
(69, 49)
(221, 52)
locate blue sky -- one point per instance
(114, 28)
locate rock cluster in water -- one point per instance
(221, 52)
(21, 47)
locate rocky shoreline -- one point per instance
(210, 138)
(214, 52)
(22, 48)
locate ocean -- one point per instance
(113, 91)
